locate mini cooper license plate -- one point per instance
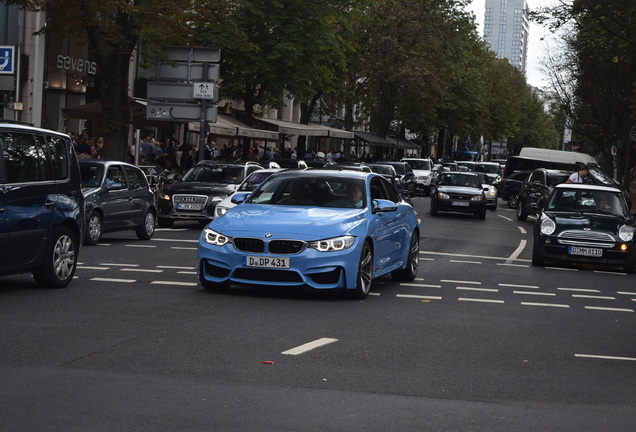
(266, 262)
(585, 251)
(459, 203)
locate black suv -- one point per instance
(535, 192)
(194, 195)
(41, 204)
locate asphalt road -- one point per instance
(481, 341)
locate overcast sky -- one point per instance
(536, 47)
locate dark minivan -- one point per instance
(41, 204)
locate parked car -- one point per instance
(319, 229)
(457, 191)
(490, 191)
(195, 195)
(535, 191)
(41, 204)
(252, 181)
(423, 169)
(585, 224)
(388, 172)
(118, 198)
(510, 186)
(491, 169)
(406, 174)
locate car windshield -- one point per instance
(490, 169)
(456, 179)
(419, 164)
(399, 168)
(253, 181)
(225, 174)
(382, 169)
(311, 191)
(589, 201)
(91, 174)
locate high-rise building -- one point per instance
(506, 28)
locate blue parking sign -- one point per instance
(7, 60)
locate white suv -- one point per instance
(424, 174)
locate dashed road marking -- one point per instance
(176, 267)
(81, 267)
(413, 296)
(609, 309)
(119, 265)
(593, 297)
(138, 270)
(477, 289)
(309, 346)
(522, 229)
(545, 304)
(602, 357)
(141, 246)
(479, 300)
(466, 262)
(420, 285)
(175, 283)
(505, 218)
(518, 286)
(533, 293)
(579, 290)
(461, 282)
(113, 280)
(562, 268)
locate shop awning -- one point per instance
(405, 145)
(373, 139)
(293, 128)
(228, 126)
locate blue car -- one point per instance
(320, 229)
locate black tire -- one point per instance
(433, 209)
(165, 223)
(536, 255)
(365, 272)
(146, 230)
(482, 215)
(93, 229)
(60, 260)
(409, 272)
(521, 213)
(513, 200)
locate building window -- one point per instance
(488, 18)
(489, 10)
(488, 34)
(517, 43)
(517, 27)
(503, 18)
(519, 11)
(517, 35)
(487, 26)
(518, 19)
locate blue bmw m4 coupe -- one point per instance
(317, 229)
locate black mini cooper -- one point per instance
(585, 224)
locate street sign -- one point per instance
(195, 54)
(179, 111)
(187, 72)
(161, 90)
(7, 60)
(16, 106)
(205, 90)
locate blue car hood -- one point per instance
(283, 222)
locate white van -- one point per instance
(558, 156)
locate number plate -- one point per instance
(460, 203)
(189, 206)
(266, 262)
(585, 251)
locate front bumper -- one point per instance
(551, 250)
(166, 210)
(450, 205)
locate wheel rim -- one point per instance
(64, 257)
(519, 209)
(150, 223)
(414, 256)
(364, 274)
(94, 227)
(513, 201)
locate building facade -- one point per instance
(506, 28)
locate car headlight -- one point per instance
(477, 198)
(333, 244)
(547, 226)
(164, 196)
(492, 191)
(217, 199)
(220, 211)
(442, 195)
(626, 233)
(215, 238)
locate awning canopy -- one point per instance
(405, 145)
(228, 126)
(373, 139)
(293, 128)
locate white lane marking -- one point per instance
(517, 252)
(174, 240)
(479, 300)
(412, 296)
(187, 272)
(506, 218)
(513, 265)
(602, 357)
(103, 244)
(141, 270)
(610, 272)
(113, 280)
(522, 229)
(466, 262)
(420, 285)
(461, 282)
(579, 290)
(626, 293)
(427, 259)
(609, 309)
(175, 267)
(183, 248)
(374, 294)
(309, 346)
(562, 268)
(141, 246)
(469, 256)
(92, 268)
(174, 283)
(476, 289)
(593, 297)
(545, 304)
(533, 293)
(119, 265)
(518, 286)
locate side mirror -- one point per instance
(240, 197)
(381, 206)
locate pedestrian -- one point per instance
(580, 176)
